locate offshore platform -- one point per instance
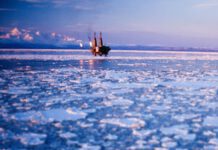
(98, 50)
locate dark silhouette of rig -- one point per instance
(101, 49)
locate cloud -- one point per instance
(53, 2)
(15, 32)
(35, 1)
(35, 36)
(79, 5)
(6, 36)
(4, 29)
(69, 39)
(28, 37)
(53, 34)
(7, 9)
(207, 5)
(38, 33)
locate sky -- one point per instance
(180, 23)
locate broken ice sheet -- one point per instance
(32, 138)
(184, 117)
(111, 137)
(124, 122)
(146, 97)
(87, 146)
(179, 131)
(176, 129)
(17, 90)
(52, 115)
(67, 135)
(118, 101)
(211, 121)
(168, 142)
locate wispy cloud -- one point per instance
(79, 27)
(34, 1)
(53, 2)
(83, 5)
(5, 36)
(7, 9)
(207, 4)
(5, 29)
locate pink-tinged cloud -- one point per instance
(53, 34)
(28, 37)
(69, 39)
(207, 4)
(15, 32)
(6, 36)
(38, 33)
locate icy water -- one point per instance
(62, 99)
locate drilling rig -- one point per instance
(98, 48)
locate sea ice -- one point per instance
(87, 146)
(51, 115)
(184, 117)
(143, 133)
(214, 141)
(124, 122)
(118, 101)
(132, 102)
(175, 130)
(168, 143)
(67, 135)
(16, 90)
(211, 121)
(111, 137)
(32, 138)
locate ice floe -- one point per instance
(211, 121)
(87, 146)
(119, 101)
(184, 117)
(32, 139)
(124, 122)
(168, 142)
(214, 141)
(111, 137)
(67, 135)
(52, 115)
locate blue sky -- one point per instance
(182, 23)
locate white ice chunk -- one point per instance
(214, 141)
(119, 101)
(211, 121)
(51, 115)
(87, 146)
(67, 135)
(111, 137)
(32, 138)
(175, 130)
(124, 122)
(184, 117)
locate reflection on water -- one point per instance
(81, 63)
(94, 63)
